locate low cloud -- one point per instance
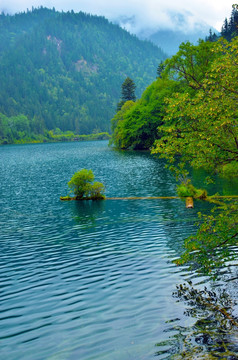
(149, 14)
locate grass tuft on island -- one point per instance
(186, 189)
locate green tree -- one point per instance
(81, 184)
(224, 29)
(211, 246)
(190, 64)
(212, 36)
(97, 191)
(135, 125)
(127, 92)
(201, 129)
(117, 124)
(202, 126)
(160, 69)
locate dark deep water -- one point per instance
(87, 280)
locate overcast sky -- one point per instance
(146, 13)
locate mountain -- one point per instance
(65, 70)
(170, 40)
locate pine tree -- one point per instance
(234, 22)
(224, 29)
(230, 28)
(127, 92)
(212, 36)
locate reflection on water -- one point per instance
(214, 330)
(85, 212)
(87, 280)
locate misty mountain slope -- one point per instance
(65, 70)
(170, 40)
(180, 27)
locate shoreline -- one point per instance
(61, 138)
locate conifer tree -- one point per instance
(224, 29)
(127, 92)
(230, 28)
(160, 69)
(212, 36)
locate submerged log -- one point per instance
(189, 202)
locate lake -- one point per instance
(89, 280)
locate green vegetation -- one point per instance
(189, 116)
(212, 246)
(59, 70)
(70, 136)
(19, 130)
(127, 92)
(193, 97)
(83, 187)
(186, 189)
(201, 122)
(135, 126)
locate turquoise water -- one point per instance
(87, 280)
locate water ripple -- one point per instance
(89, 280)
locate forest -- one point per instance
(59, 73)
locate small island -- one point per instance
(83, 186)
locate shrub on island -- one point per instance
(82, 185)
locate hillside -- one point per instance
(64, 70)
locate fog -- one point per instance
(136, 15)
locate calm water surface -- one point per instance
(87, 280)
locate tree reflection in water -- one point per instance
(213, 335)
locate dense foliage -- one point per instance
(19, 129)
(64, 70)
(182, 74)
(186, 189)
(201, 122)
(135, 125)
